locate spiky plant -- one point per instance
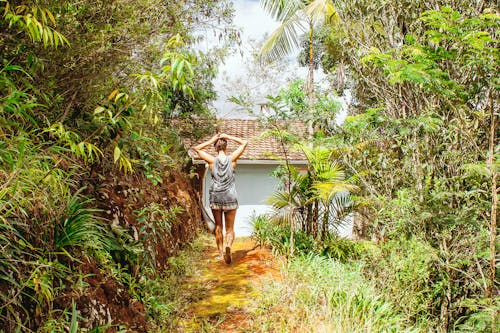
(80, 226)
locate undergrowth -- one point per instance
(320, 294)
(338, 285)
(167, 298)
(277, 236)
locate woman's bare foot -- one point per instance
(220, 256)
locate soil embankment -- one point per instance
(133, 205)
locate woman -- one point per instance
(223, 197)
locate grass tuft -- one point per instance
(320, 294)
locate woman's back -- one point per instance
(223, 197)
(223, 189)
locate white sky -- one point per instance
(254, 23)
(252, 18)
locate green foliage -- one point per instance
(318, 200)
(405, 269)
(176, 76)
(449, 37)
(162, 296)
(154, 223)
(484, 311)
(37, 22)
(178, 67)
(295, 17)
(80, 226)
(61, 130)
(424, 80)
(416, 138)
(319, 294)
(71, 140)
(291, 103)
(268, 233)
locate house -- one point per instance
(254, 181)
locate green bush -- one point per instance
(267, 232)
(405, 270)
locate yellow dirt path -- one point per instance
(230, 289)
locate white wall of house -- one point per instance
(254, 184)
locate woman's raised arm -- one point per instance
(243, 145)
(203, 154)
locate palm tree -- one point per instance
(329, 186)
(297, 17)
(316, 196)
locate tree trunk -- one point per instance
(494, 204)
(292, 231)
(315, 218)
(308, 220)
(310, 83)
(326, 220)
(290, 206)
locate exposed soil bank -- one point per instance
(105, 300)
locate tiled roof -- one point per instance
(259, 147)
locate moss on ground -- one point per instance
(230, 288)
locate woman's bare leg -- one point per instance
(229, 220)
(218, 230)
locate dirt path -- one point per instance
(229, 289)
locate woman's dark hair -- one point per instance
(220, 144)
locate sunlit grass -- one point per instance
(319, 294)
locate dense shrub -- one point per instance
(268, 232)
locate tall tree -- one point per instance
(297, 17)
(425, 86)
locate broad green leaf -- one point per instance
(99, 109)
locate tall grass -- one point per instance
(330, 286)
(319, 294)
(80, 226)
(395, 285)
(167, 298)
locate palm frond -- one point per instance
(322, 11)
(283, 40)
(282, 9)
(327, 190)
(280, 199)
(281, 217)
(331, 173)
(341, 206)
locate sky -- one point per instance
(253, 19)
(255, 24)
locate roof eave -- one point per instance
(256, 161)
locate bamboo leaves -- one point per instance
(177, 69)
(83, 149)
(36, 23)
